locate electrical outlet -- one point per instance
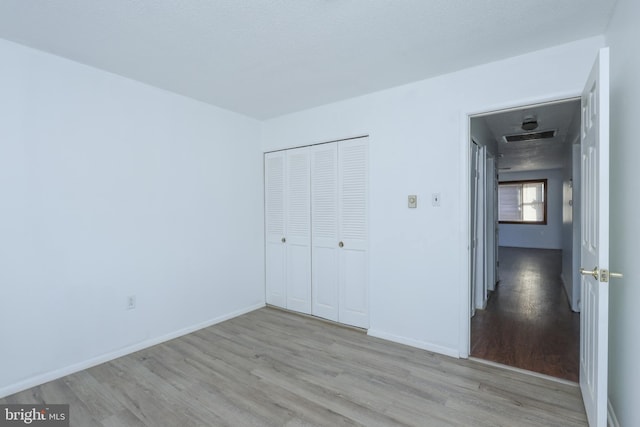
(131, 302)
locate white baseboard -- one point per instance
(566, 292)
(414, 343)
(612, 420)
(76, 367)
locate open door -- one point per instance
(473, 226)
(492, 223)
(480, 284)
(595, 242)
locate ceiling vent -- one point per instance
(531, 136)
(530, 123)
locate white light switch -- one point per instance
(413, 201)
(435, 199)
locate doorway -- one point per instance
(525, 239)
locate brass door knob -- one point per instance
(595, 272)
(601, 275)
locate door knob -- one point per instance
(602, 275)
(595, 272)
(341, 244)
(283, 240)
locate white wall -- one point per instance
(624, 333)
(111, 188)
(548, 236)
(418, 143)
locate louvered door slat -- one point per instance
(353, 226)
(298, 235)
(274, 198)
(324, 214)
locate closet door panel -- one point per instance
(353, 225)
(316, 222)
(275, 255)
(324, 214)
(298, 235)
(354, 303)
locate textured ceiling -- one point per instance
(540, 154)
(264, 58)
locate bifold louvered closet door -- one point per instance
(353, 228)
(327, 274)
(288, 229)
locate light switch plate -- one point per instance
(413, 201)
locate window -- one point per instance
(522, 202)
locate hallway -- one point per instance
(528, 323)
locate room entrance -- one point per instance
(525, 234)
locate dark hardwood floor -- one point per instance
(528, 323)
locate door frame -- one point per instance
(464, 344)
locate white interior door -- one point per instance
(324, 230)
(353, 225)
(576, 289)
(274, 200)
(491, 224)
(481, 227)
(496, 229)
(298, 230)
(595, 241)
(473, 226)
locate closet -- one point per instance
(316, 226)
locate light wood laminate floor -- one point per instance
(270, 367)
